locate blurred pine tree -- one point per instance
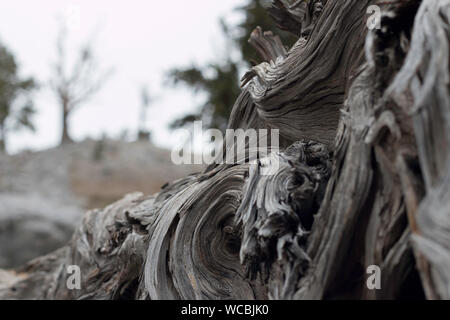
(16, 106)
(220, 81)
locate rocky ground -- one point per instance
(44, 194)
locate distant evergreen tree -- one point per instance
(221, 80)
(16, 107)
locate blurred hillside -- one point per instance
(44, 194)
(90, 174)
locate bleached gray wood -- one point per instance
(363, 178)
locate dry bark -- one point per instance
(362, 178)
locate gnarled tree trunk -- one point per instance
(363, 178)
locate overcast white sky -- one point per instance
(140, 39)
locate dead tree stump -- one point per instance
(363, 178)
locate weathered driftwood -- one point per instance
(362, 178)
